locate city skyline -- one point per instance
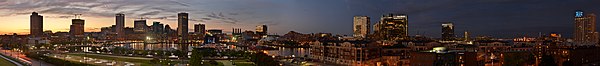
(299, 33)
(424, 20)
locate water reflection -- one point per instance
(156, 46)
(288, 52)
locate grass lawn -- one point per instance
(243, 63)
(142, 61)
(4, 62)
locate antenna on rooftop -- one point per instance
(77, 16)
(143, 18)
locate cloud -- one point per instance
(61, 16)
(102, 8)
(220, 17)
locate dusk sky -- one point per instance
(499, 18)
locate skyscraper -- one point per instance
(168, 30)
(120, 24)
(199, 29)
(392, 27)
(361, 26)
(261, 29)
(157, 28)
(36, 25)
(140, 26)
(466, 36)
(77, 27)
(182, 25)
(585, 28)
(447, 31)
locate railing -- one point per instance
(18, 63)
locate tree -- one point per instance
(548, 60)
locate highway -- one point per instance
(23, 58)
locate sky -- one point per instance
(498, 18)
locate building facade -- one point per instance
(348, 53)
(585, 28)
(120, 24)
(77, 27)
(447, 31)
(36, 25)
(140, 26)
(182, 25)
(392, 27)
(361, 26)
(200, 29)
(261, 29)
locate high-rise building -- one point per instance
(261, 29)
(447, 31)
(182, 25)
(392, 27)
(199, 29)
(140, 26)
(77, 27)
(585, 28)
(120, 24)
(168, 30)
(466, 36)
(36, 25)
(157, 28)
(361, 26)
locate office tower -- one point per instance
(36, 25)
(182, 25)
(361, 26)
(120, 24)
(200, 29)
(77, 27)
(585, 30)
(261, 29)
(392, 27)
(447, 31)
(236, 31)
(466, 36)
(157, 28)
(168, 30)
(140, 26)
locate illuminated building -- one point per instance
(77, 27)
(447, 31)
(182, 25)
(440, 56)
(36, 25)
(524, 39)
(120, 24)
(585, 28)
(214, 36)
(199, 29)
(261, 29)
(392, 27)
(466, 36)
(361, 26)
(140, 26)
(348, 53)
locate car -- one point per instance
(97, 62)
(129, 64)
(149, 56)
(112, 63)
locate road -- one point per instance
(141, 58)
(22, 57)
(8, 62)
(93, 61)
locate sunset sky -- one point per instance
(503, 18)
